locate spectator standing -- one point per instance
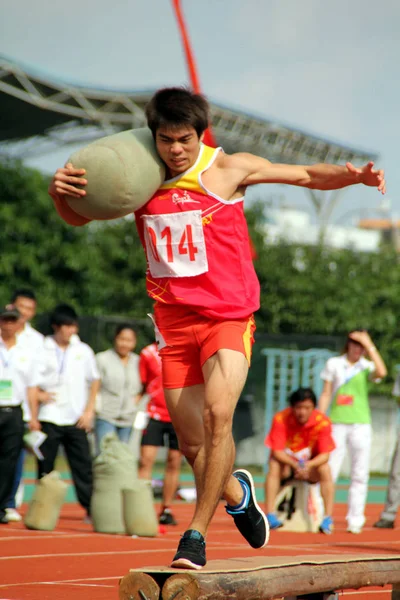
(19, 378)
(25, 302)
(346, 389)
(69, 386)
(388, 515)
(120, 386)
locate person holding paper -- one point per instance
(19, 378)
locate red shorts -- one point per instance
(188, 339)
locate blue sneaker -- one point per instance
(249, 519)
(326, 525)
(273, 521)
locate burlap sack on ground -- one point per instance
(45, 507)
(138, 509)
(114, 469)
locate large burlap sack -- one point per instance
(114, 469)
(123, 171)
(45, 507)
(138, 509)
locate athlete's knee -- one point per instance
(218, 418)
(190, 450)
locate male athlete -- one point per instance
(201, 275)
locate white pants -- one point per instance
(357, 439)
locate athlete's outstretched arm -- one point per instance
(319, 176)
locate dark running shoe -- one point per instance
(167, 518)
(384, 524)
(191, 553)
(251, 521)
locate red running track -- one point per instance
(37, 565)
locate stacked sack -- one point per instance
(121, 503)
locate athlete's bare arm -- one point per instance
(250, 170)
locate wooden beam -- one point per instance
(273, 583)
(262, 578)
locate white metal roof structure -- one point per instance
(39, 112)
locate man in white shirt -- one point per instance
(25, 302)
(70, 382)
(19, 378)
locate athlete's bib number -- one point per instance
(175, 244)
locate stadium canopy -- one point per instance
(39, 112)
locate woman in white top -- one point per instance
(346, 391)
(120, 386)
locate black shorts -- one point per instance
(159, 433)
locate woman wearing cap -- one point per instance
(346, 389)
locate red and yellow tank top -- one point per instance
(197, 247)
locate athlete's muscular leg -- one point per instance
(202, 417)
(185, 406)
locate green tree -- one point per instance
(38, 249)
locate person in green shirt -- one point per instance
(345, 390)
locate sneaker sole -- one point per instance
(253, 492)
(185, 563)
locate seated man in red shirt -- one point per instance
(300, 440)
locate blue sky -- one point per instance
(330, 69)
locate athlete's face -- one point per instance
(178, 148)
(302, 411)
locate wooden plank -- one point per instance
(275, 582)
(263, 561)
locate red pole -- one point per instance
(190, 62)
